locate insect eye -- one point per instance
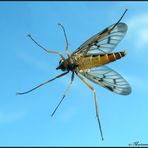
(60, 61)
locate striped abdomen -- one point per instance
(91, 61)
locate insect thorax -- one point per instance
(67, 65)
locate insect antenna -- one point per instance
(72, 78)
(22, 93)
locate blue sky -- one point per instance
(25, 120)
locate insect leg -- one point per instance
(49, 51)
(96, 104)
(72, 78)
(21, 93)
(67, 52)
(118, 21)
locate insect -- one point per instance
(89, 60)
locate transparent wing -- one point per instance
(103, 42)
(109, 79)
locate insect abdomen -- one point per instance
(98, 60)
(115, 56)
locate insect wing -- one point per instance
(104, 41)
(109, 79)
